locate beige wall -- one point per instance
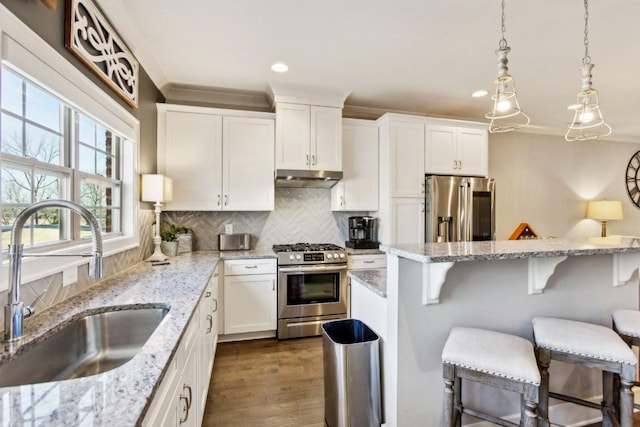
(545, 181)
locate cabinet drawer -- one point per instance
(237, 267)
(361, 262)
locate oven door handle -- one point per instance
(312, 269)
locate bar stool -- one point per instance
(500, 360)
(626, 323)
(592, 346)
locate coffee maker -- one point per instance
(362, 233)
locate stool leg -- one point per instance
(626, 403)
(608, 399)
(448, 410)
(457, 402)
(543, 357)
(529, 406)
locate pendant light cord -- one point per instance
(503, 41)
(587, 59)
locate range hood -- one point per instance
(306, 178)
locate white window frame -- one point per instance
(25, 50)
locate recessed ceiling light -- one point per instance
(479, 93)
(279, 67)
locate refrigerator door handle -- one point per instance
(462, 212)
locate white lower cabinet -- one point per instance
(250, 296)
(182, 395)
(366, 261)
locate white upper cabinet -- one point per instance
(452, 150)
(189, 148)
(358, 189)
(407, 159)
(247, 165)
(308, 137)
(218, 159)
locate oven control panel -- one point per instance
(291, 258)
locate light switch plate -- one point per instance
(69, 276)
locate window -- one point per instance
(50, 150)
(61, 136)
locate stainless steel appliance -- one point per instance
(312, 287)
(362, 233)
(234, 242)
(459, 209)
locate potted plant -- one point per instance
(169, 244)
(184, 236)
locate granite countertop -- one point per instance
(120, 396)
(374, 279)
(513, 249)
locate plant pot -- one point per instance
(169, 248)
(185, 242)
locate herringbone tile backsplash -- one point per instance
(300, 215)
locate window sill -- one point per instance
(41, 267)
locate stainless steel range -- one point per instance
(312, 287)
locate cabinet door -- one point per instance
(326, 138)
(292, 136)
(360, 169)
(407, 159)
(248, 167)
(337, 197)
(249, 303)
(189, 412)
(440, 150)
(473, 151)
(189, 152)
(407, 220)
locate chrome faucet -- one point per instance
(14, 311)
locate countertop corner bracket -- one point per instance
(433, 277)
(540, 269)
(624, 265)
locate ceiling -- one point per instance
(421, 56)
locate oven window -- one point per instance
(313, 288)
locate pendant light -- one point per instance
(506, 115)
(587, 119)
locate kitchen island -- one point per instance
(499, 285)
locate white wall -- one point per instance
(546, 181)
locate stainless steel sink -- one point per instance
(86, 346)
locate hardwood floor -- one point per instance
(267, 383)
(270, 383)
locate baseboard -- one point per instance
(246, 336)
(562, 414)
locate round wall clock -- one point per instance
(633, 179)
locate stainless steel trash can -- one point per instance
(351, 354)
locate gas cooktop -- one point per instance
(310, 254)
(307, 247)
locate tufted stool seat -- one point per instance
(589, 345)
(500, 360)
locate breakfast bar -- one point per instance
(497, 285)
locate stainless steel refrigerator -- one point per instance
(459, 209)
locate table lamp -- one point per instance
(604, 210)
(157, 189)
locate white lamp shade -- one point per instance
(604, 210)
(156, 188)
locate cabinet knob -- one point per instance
(313, 160)
(306, 159)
